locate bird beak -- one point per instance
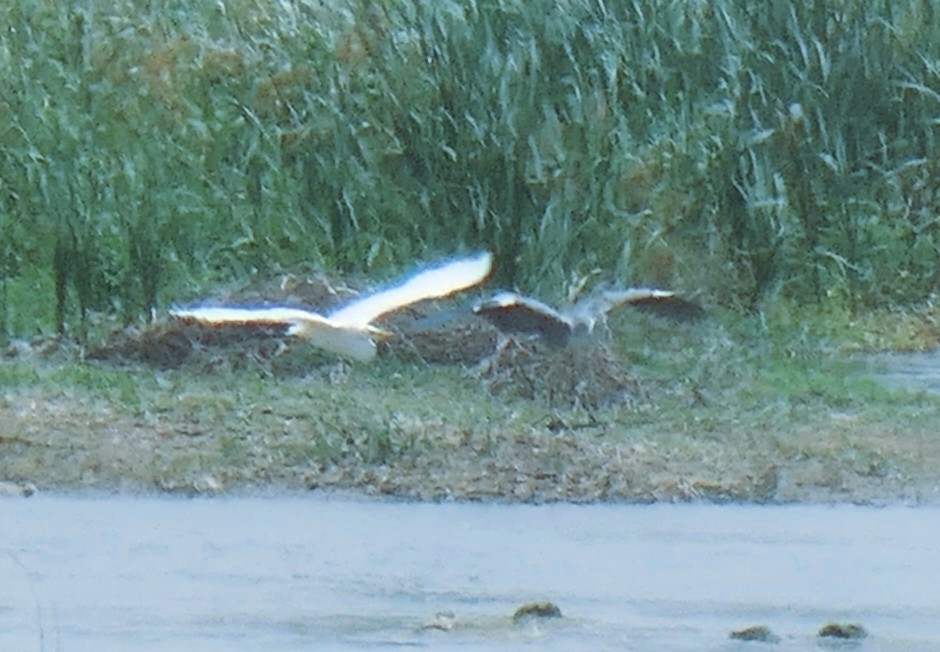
(379, 334)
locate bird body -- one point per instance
(348, 331)
(514, 313)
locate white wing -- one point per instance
(221, 315)
(356, 343)
(659, 302)
(593, 309)
(614, 298)
(433, 283)
(663, 303)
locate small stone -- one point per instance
(848, 631)
(536, 610)
(759, 633)
(444, 621)
(17, 489)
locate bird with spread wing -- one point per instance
(513, 313)
(349, 331)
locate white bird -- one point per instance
(514, 313)
(348, 331)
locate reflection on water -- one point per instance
(305, 573)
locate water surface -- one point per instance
(308, 572)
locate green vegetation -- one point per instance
(151, 150)
(779, 160)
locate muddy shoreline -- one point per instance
(63, 445)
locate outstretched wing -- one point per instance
(513, 313)
(662, 303)
(436, 282)
(293, 318)
(353, 342)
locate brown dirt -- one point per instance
(62, 441)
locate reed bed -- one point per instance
(747, 152)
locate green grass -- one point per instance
(752, 154)
(748, 374)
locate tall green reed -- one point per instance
(744, 152)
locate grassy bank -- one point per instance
(720, 413)
(778, 162)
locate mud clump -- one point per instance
(758, 633)
(844, 631)
(536, 610)
(588, 375)
(464, 340)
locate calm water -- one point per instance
(305, 573)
